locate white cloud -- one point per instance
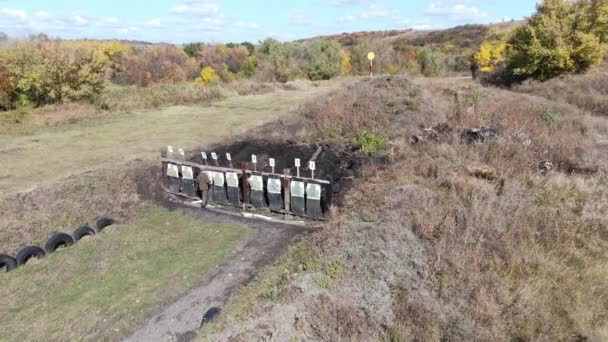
(199, 8)
(300, 18)
(79, 20)
(11, 13)
(109, 22)
(244, 25)
(156, 22)
(41, 15)
(126, 30)
(455, 10)
(374, 12)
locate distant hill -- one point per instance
(465, 36)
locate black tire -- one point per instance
(102, 223)
(58, 240)
(7, 262)
(29, 252)
(82, 232)
(210, 315)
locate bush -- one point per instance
(50, 72)
(322, 60)
(370, 143)
(207, 76)
(430, 61)
(556, 40)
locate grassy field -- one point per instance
(52, 153)
(103, 286)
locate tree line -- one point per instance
(561, 37)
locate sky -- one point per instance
(182, 21)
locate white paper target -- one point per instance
(312, 165)
(297, 162)
(187, 172)
(313, 191)
(274, 186)
(232, 179)
(228, 156)
(213, 155)
(297, 189)
(181, 152)
(170, 149)
(254, 159)
(271, 162)
(257, 183)
(172, 170)
(218, 178)
(204, 155)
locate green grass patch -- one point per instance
(370, 143)
(102, 287)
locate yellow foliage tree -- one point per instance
(490, 54)
(345, 64)
(208, 75)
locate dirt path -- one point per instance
(57, 152)
(179, 319)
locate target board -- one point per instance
(298, 204)
(188, 182)
(275, 199)
(313, 201)
(234, 192)
(175, 183)
(219, 188)
(257, 191)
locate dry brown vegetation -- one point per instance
(430, 248)
(120, 99)
(588, 91)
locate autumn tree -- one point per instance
(345, 65)
(557, 39)
(490, 55)
(207, 76)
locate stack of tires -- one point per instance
(58, 240)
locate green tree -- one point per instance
(553, 42)
(322, 59)
(431, 61)
(191, 49)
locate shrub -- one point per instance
(556, 40)
(50, 72)
(370, 143)
(207, 76)
(489, 55)
(430, 61)
(322, 59)
(345, 66)
(191, 49)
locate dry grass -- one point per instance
(101, 288)
(52, 153)
(30, 218)
(119, 99)
(432, 252)
(588, 91)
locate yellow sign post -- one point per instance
(371, 56)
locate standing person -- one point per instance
(203, 187)
(287, 189)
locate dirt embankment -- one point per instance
(31, 217)
(455, 240)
